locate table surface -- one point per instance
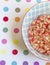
(12, 48)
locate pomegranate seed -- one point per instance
(38, 31)
(48, 18)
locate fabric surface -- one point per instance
(12, 48)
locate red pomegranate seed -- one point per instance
(38, 31)
(49, 33)
(32, 39)
(48, 18)
(47, 25)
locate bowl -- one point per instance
(33, 13)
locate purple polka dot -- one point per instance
(0, 62)
(28, 0)
(16, 30)
(25, 63)
(36, 63)
(4, 41)
(3, 62)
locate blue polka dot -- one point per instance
(38, 0)
(14, 63)
(5, 9)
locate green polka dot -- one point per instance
(18, 0)
(5, 29)
(25, 52)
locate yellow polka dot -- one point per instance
(15, 41)
(3, 51)
(27, 9)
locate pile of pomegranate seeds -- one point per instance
(39, 34)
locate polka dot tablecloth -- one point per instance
(12, 48)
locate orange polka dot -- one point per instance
(17, 19)
(48, 63)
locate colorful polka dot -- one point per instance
(3, 51)
(25, 63)
(14, 63)
(15, 41)
(5, 9)
(18, 0)
(2, 62)
(27, 9)
(16, 30)
(17, 10)
(14, 52)
(5, 19)
(38, 0)
(28, 0)
(36, 63)
(26, 52)
(4, 41)
(48, 63)
(17, 19)
(5, 29)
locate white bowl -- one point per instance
(34, 12)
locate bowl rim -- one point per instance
(22, 32)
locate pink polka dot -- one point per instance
(5, 19)
(48, 0)
(16, 30)
(28, 0)
(4, 41)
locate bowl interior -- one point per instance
(34, 12)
